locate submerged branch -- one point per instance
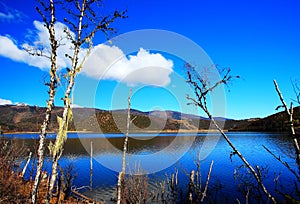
(207, 180)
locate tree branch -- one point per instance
(207, 181)
(201, 89)
(281, 97)
(289, 111)
(49, 23)
(283, 162)
(296, 89)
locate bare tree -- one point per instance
(295, 137)
(207, 181)
(49, 24)
(296, 88)
(121, 175)
(289, 111)
(284, 163)
(83, 23)
(202, 86)
(196, 194)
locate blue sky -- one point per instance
(258, 40)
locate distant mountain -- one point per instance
(174, 115)
(23, 118)
(278, 122)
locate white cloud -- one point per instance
(106, 62)
(10, 15)
(5, 102)
(11, 49)
(42, 41)
(6, 16)
(109, 62)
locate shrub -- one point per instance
(11, 184)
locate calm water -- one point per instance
(159, 156)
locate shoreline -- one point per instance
(148, 131)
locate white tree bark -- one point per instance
(207, 181)
(91, 24)
(121, 176)
(201, 88)
(26, 165)
(50, 103)
(91, 166)
(67, 104)
(289, 111)
(248, 165)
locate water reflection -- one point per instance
(163, 153)
(148, 154)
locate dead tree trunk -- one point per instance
(207, 181)
(26, 165)
(289, 111)
(202, 87)
(119, 188)
(248, 165)
(121, 176)
(127, 133)
(91, 167)
(191, 186)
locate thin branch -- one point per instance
(70, 23)
(133, 119)
(247, 195)
(296, 89)
(42, 15)
(201, 89)
(207, 181)
(283, 162)
(248, 165)
(104, 25)
(281, 97)
(289, 111)
(35, 51)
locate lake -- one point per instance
(160, 155)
